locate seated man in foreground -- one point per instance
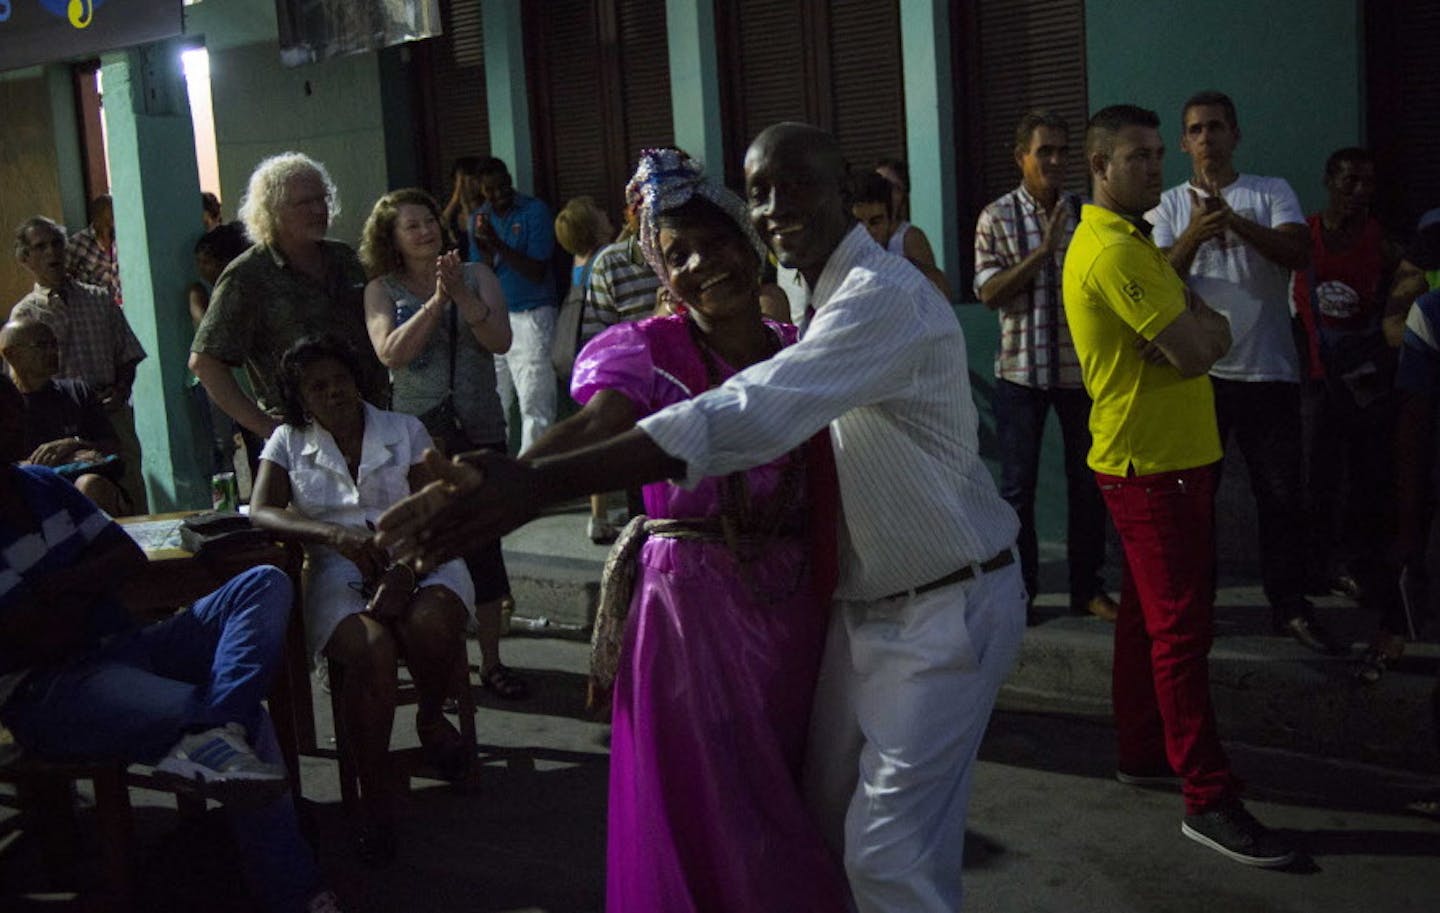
(65, 424)
(78, 681)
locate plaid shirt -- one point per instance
(95, 341)
(622, 288)
(1035, 345)
(87, 261)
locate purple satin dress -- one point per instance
(712, 697)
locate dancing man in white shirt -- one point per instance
(930, 606)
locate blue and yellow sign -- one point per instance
(79, 13)
(53, 31)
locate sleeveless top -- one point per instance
(422, 384)
(1347, 286)
(896, 244)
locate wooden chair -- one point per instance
(405, 763)
(44, 790)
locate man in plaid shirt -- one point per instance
(97, 346)
(90, 255)
(1020, 243)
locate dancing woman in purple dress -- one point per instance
(719, 651)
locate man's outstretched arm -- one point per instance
(482, 496)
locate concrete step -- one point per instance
(1268, 691)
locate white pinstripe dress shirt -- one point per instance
(883, 363)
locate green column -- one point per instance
(695, 81)
(930, 127)
(505, 90)
(155, 184)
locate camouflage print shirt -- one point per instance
(261, 306)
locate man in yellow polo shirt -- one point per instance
(1145, 343)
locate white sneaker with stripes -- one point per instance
(221, 765)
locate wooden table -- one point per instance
(174, 578)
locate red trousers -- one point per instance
(1161, 673)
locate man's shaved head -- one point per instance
(24, 330)
(829, 161)
(797, 188)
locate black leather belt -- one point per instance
(1001, 559)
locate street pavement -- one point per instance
(1050, 829)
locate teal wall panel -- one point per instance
(154, 176)
(695, 81)
(1293, 67)
(332, 111)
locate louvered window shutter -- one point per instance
(1414, 177)
(644, 64)
(1032, 55)
(867, 94)
(765, 63)
(573, 127)
(459, 119)
(833, 64)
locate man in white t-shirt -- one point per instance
(1235, 238)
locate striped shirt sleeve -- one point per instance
(771, 407)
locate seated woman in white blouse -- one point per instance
(326, 475)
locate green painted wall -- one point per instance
(507, 98)
(68, 166)
(154, 177)
(332, 111)
(930, 128)
(1294, 68)
(695, 81)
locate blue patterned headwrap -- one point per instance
(667, 179)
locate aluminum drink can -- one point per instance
(224, 492)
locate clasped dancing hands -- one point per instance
(476, 497)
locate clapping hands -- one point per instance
(449, 276)
(1209, 216)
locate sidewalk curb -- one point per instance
(1267, 691)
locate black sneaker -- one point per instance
(1309, 634)
(1232, 831)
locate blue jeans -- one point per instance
(1020, 422)
(137, 695)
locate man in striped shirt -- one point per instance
(930, 605)
(1020, 244)
(622, 284)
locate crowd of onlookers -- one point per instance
(1162, 326)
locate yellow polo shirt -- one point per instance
(1118, 286)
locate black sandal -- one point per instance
(1376, 661)
(502, 680)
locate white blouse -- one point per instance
(320, 484)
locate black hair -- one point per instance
(297, 358)
(1350, 155)
(224, 242)
(1211, 97)
(1030, 121)
(491, 165)
(210, 203)
(1105, 123)
(873, 187)
(468, 165)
